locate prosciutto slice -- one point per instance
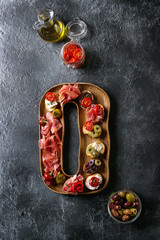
(55, 124)
(68, 93)
(45, 129)
(52, 165)
(42, 142)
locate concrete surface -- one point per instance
(122, 57)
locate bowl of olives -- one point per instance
(124, 206)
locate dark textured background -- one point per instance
(122, 57)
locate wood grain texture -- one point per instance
(100, 97)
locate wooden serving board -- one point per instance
(100, 97)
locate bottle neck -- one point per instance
(48, 23)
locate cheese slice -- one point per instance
(50, 105)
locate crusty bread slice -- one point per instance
(89, 132)
(101, 152)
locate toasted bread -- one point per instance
(92, 169)
(102, 150)
(99, 176)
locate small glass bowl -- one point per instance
(132, 219)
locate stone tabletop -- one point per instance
(122, 57)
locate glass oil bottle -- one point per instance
(50, 28)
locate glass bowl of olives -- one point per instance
(124, 206)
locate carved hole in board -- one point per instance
(71, 139)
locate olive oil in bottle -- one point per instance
(49, 28)
(53, 33)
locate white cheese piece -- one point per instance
(98, 147)
(50, 105)
(88, 179)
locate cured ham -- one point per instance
(50, 143)
(68, 93)
(42, 142)
(53, 124)
(91, 116)
(45, 129)
(51, 154)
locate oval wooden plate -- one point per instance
(100, 97)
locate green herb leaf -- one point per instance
(94, 181)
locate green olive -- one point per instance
(120, 212)
(97, 129)
(95, 154)
(122, 194)
(94, 134)
(56, 113)
(134, 211)
(60, 178)
(130, 197)
(98, 162)
(89, 149)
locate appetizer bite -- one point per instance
(51, 101)
(68, 93)
(92, 166)
(86, 99)
(74, 184)
(91, 130)
(94, 181)
(95, 149)
(95, 113)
